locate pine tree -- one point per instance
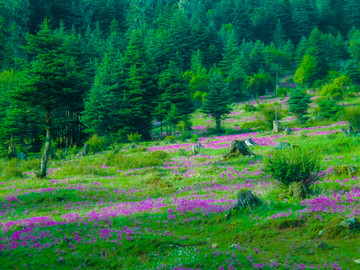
(50, 82)
(217, 104)
(299, 103)
(175, 92)
(104, 99)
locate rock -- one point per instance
(322, 245)
(282, 145)
(245, 199)
(22, 156)
(350, 223)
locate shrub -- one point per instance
(124, 162)
(328, 108)
(194, 138)
(293, 165)
(170, 139)
(249, 108)
(97, 144)
(267, 114)
(352, 115)
(134, 137)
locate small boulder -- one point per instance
(350, 223)
(282, 145)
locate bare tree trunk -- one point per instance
(45, 156)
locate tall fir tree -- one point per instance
(50, 80)
(217, 104)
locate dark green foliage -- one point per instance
(299, 103)
(293, 165)
(329, 108)
(217, 104)
(110, 56)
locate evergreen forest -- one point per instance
(179, 134)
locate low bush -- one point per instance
(97, 144)
(143, 160)
(352, 115)
(293, 165)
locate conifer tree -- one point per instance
(50, 80)
(299, 103)
(217, 104)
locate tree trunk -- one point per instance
(276, 127)
(161, 124)
(238, 147)
(218, 123)
(45, 156)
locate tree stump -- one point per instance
(85, 151)
(238, 147)
(250, 142)
(195, 148)
(245, 199)
(276, 127)
(288, 131)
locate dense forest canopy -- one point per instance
(113, 67)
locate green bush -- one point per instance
(267, 114)
(328, 108)
(16, 168)
(293, 165)
(143, 160)
(352, 115)
(97, 144)
(134, 137)
(249, 108)
(170, 139)
(194, 138)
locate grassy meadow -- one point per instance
(158, 206)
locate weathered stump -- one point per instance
(288, 131)
(276, 127)
(85, 151)
(250, 142)
(238, 147)
(195, 148)
(245, 199)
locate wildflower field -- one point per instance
(158, 206)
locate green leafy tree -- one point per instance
(50, 80)
(299, 103)
(217, 105)
(306, 73)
